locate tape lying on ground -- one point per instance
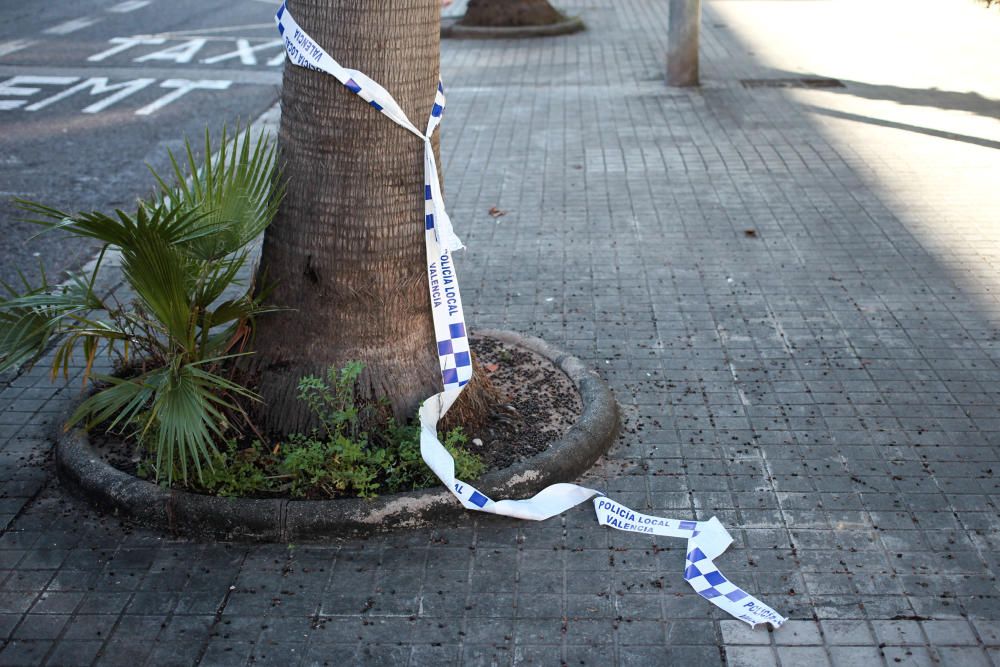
(706, 540)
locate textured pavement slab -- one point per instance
(790, 285)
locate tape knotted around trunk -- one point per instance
(706, 540)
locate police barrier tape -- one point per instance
(706, 540)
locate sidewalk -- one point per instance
(793, 292)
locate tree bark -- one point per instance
(345, 254)
(510, 13)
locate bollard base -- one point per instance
(683, 30)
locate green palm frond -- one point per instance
(238, 191)
(180, 408)
(189, 410)
(29, 320)
(24, 335)
(176, 225)
(120, 403)
(217, 280)
(182, 255)
(91, 334)
(157, 272)
(235, 310)
(95, 225)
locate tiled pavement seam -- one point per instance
(826, 385)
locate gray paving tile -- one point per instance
(850, 656)
(918, 656)
(750, 656)
(988, 631)
(803, 655)
(950, 633)
(738, 632)
(895, 633)
(799, 633)
(963, 656)
(851, 633)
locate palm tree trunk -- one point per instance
(510, 13)
(345, 254)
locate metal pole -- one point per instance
(682, 42)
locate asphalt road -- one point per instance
(91, 92)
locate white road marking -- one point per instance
(98, 86)
(14, 45)
(182, 53)
(180, 34)
(244, 51)
(123, 44)
(253, 76)
(128, 6)
(15, 86)
(183, 87)
(71, 26)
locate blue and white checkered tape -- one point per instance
(706, 540)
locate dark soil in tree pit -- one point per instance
(542, 405)
(539, 405)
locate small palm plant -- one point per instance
(190, 312)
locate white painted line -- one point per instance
(98, 86)
(71, 26)
(180, 34)
(123, 44)
(183, 87)
(182, 53)
(244, 51)
(252, 76)
(16, 86)
(14, 45)
(128, 6)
